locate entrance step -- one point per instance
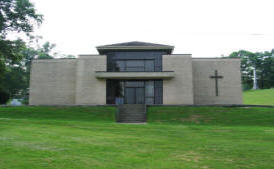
(131, 113)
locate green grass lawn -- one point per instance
(261, 97)
(174, 137)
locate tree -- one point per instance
(15, 16)
(16, 77)
(259, 63)
(4, 97)
(248, 64)
(44, 51)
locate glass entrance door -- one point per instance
(134, 95)
(134, 92)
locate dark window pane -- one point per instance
(149, 100)
(135, 69)
(135, 63)
(134, 55)
(109, 92)
(134, 84)
(149, 66)
(120, 65)
(149, 88)
(130, 95)
(158, 91)
(115, 91)
(119, 88)
(140, 95)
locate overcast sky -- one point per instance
(204, 28)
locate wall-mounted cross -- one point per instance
(216, 77)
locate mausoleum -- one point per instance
(135, 73)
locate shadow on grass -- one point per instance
(59, 113)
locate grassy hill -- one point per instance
(260, 97)
(174, 137)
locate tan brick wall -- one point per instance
(52, 82)
(178, 90)
(68, 81)
(230, 91)
(90, 90)
(73, 81)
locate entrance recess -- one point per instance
(134, 92)
(134, 95)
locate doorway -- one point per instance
(134, 92)
(134, 95)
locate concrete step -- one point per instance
(131, 113)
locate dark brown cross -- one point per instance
(216, 77)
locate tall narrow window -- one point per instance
(149, 92)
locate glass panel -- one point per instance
(130, 95)
(135, 84)
(149, 100)
(149, 88)
(109, 92)
(149, 65)
(120, 65)
(119, 92)
(115, 92)
(135, 69)
(135, 63)
(140, 95)
(158, 91)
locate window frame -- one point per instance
(141, 68)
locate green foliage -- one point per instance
(259, 97)
(15, 78)
(15, 81)
(44, 51)
(18, 16)
(4, 96)
(175, 137)
(15, 16)
(264, 64)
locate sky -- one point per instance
(203, 28)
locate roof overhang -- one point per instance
(134, 48)
(135, 45)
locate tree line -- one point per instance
(260, 63)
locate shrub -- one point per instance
(4, 97)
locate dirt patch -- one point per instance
(269, 130)
(193, 118)
(189, 156)
(196, 118)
